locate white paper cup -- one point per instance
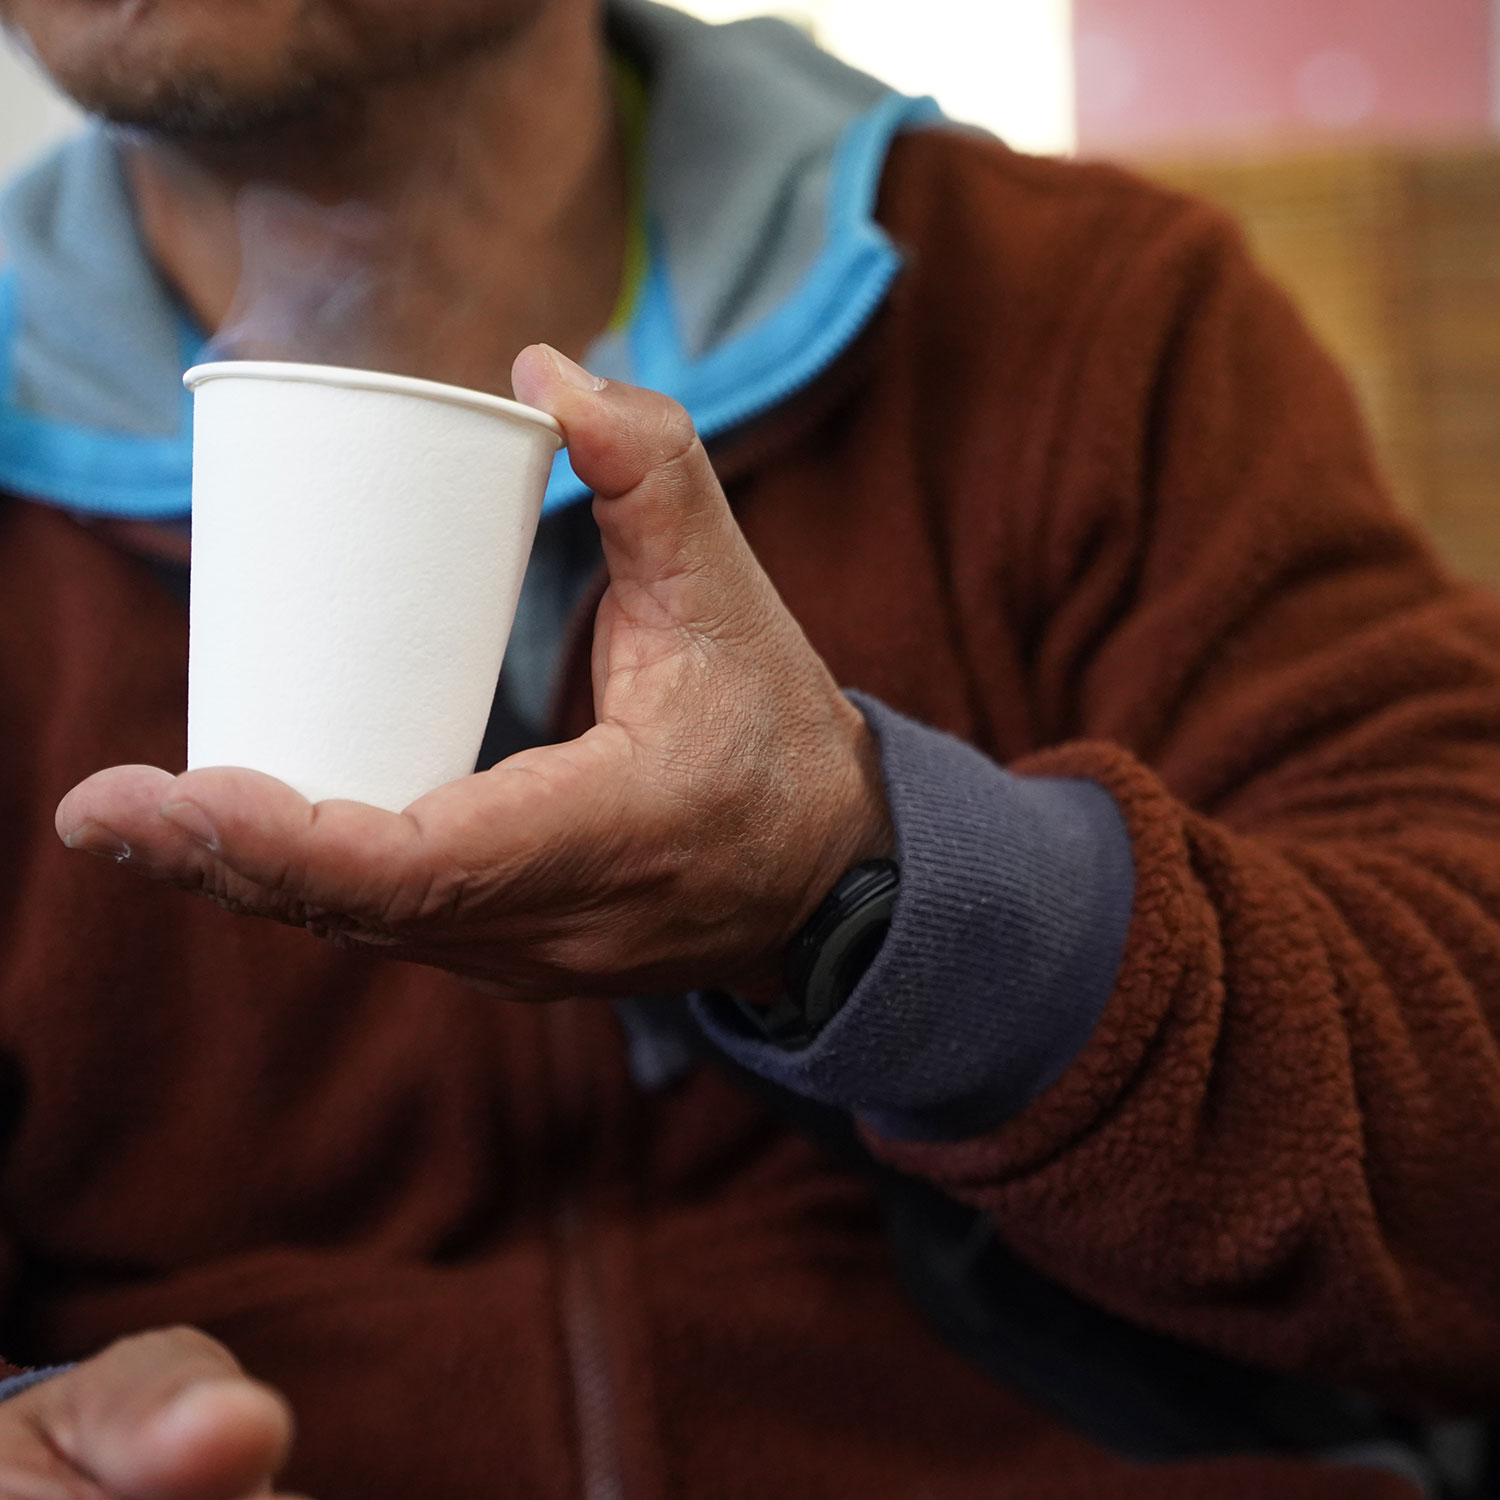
(359, 542)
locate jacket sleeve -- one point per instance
(1282, 1138)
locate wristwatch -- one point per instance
(830, 955)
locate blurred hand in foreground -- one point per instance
(165, 1416)
(680, 843)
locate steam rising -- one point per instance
(349, 284)
(310, 280)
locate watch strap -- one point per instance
(829, 956)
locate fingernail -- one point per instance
(95, 838)
(193, 821)
(572, 373)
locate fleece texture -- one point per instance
(1087, 498)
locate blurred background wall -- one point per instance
(1207, 74)
(1357, 140)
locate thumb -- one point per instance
(660, 508)
(164, 1416)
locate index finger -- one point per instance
(387, 869)
(345, 856)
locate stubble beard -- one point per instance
(196, 101)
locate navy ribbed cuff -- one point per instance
(1016, 894)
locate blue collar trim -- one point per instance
(780, 356)
(118, 474)
(84, 469)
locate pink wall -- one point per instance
(1169, 74)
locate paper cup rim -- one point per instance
(371, 380)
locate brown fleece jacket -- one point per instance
(1088, 497)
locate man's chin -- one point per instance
(180, 68)
(199, 106)
(212, 69)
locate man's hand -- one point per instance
(680, 843)
(166, 1416)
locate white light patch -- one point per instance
(1003, 64)
(32, 113)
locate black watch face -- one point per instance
(847, 965)
(837, 947)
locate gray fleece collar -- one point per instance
(764, 158)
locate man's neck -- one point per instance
(477, 209)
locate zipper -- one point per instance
(586, 1339)
(581, 1299)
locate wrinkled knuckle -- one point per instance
(222, 886)
(286, 882)
(214, 881)
(676, 436)
(423, 898)
(234, 893)
(200, 878)
(437, 893)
